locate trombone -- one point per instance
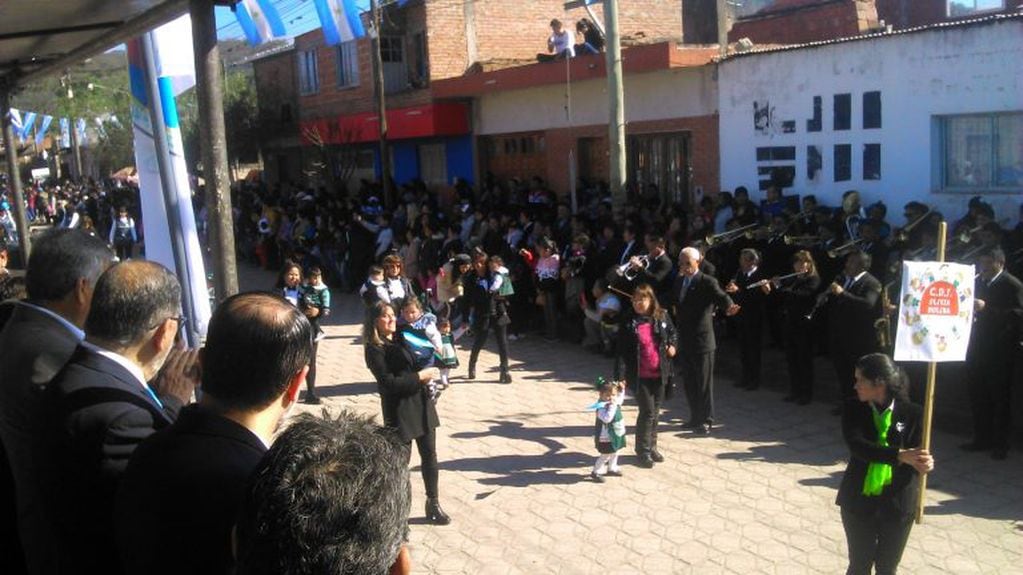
(805, 240)
(845, 249)
(630, 272)
(902, 236)
(731, 235)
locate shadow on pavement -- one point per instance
(525, 470)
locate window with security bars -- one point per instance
(348, 64)
(308, 73)
(982, 151)
(958, 8)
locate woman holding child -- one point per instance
(404, 397)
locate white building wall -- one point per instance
(952, 70)
(665, 94)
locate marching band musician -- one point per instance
(875, 247)
(852, 309)
(798, 297)
(750, 318)
(850, 215)
(994, 347)
(657, 271)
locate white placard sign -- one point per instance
(935, 312)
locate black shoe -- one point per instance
(703, 429)
(999, 454)
(739, 384)
(645, 461)
(472, 373)
(691, 425)
(505, 377)
(311, 399)
(614, 473)
(974, 446)
(434, 514)
(597, 477)
(836, 410)
(790, 398)
(803, 401)
(656, 456)
(753, 387)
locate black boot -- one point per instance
(434, 514)
(472, 372)
(505, 377)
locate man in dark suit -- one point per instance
(752, 300)
(184, 485)
(994, 347)
(102, 404)
(657, 272)
(695, 296)
(37, 340)
(853, 307)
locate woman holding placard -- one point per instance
(880, 489)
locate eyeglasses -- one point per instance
(182, 321)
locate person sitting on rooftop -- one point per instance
(559, 44)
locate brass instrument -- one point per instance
(883, 325)
(845, 249)
(778, 279)
(823, 298)
(902, 236)
(731, 235)
(630, 272)
(966, 236)
(801, 240)
(966, 256)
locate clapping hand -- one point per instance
(180, 375)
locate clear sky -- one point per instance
(299, 17)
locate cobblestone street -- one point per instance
(756, 496)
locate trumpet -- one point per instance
(630, 272)
(844, 249)
(966, 236)
(731, 235)
(801, 240)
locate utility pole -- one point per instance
(616, 104)
(381, 96)
(76, 152)
(209, 92)
(14, 178)
(722, 13)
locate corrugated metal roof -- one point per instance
(983, 20)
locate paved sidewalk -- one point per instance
(757, 496)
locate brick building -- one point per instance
(425, 43)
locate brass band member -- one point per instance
(751, 318)
(994, 346)
(798, 296)
(852, 308)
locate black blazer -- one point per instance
(628, 348)
(182, 491)
(851, 317)
(100, 415)
(753, 300)
(694, 316)
(998, 327)
(403, 400)
(658, 276)
(898, 499)
(799, 296)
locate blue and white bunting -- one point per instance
(44, 125)
(16, 122)
(259, 20)
(26, 124)
(340, 21)
(83, 137)
(65, 133)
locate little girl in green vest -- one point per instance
(609, 430)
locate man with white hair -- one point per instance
(695, 296)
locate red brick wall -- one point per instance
(824, 21)
(703, 132)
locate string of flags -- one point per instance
(24, 122)
(340, 20)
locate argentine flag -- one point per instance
(43, 127)
(65, 133)
(340, 20)
(260, 21)
(16, 123)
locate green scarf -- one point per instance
(879, 474)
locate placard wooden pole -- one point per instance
(932, 372)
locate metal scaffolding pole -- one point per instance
(14, 178)
(213, 141)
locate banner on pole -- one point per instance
(935, 312)
(65, 133)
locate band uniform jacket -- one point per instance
(694, 315)
(851, 317)
(799, 295)
(999, 326)
(658, 276)
(403, 399)
(898, 499)
(752, 301)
